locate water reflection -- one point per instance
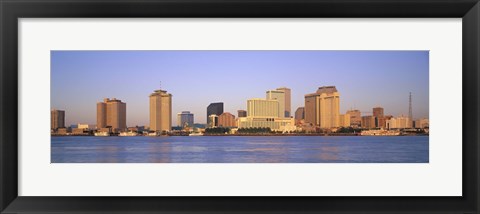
(310, 149)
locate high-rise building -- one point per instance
(355, 117)
(299, 115)
(112, 113)
(226, 120)
(379, 117)
(185, 119)
(242, 113)
(368, 122)
(57, 119)
(322, 108)
(280, 97)
(214, 108)
(160, 111)
(288, 100)
(262, 108)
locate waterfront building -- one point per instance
(280, 97)
(214, 108)
(57, 119)
(368, 122)
(160, 111)
(85, 126)
(379, 117)
(263, 108)
(185, 119)
(299, 115)
(275, 124)
(322, 108)
(288, 100)
(226, 120)
(112, 113)
(263, 113)
(401, 122)
(213, 121)
(344, 120)
(242, 113)
(355, 117)
(422, 123)
(283, 96)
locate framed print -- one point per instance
(226, 106)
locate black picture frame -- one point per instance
(12, 10)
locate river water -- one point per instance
(236, 149)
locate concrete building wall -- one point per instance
(262, 108)
(310, 109)
(280, 97)
(344, 120)
(160, 111)
(355, 118)
(57, 119)
(112, 112)
(288, 100)
(368, 122)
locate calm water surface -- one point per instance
(229, 149)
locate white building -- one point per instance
(399, 123)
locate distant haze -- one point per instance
(364, 79)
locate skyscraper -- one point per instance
(57, 118)
(323, 107)
(280, 97)
(214, 108)
(368, 122)
(379, 117)
(185, 119)
(112, 113)
(288, 100)
(160, 111)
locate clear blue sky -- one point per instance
(365, 79)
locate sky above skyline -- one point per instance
(364, 79)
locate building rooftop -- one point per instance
(326, 89)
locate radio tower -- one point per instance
(410, 108)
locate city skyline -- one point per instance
(195, 80)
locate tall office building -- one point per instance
(112, 113)
(280, 97)
(323, 107)
(288, 101)
(299, 115)
(185, 119)
(368, 122)
(214, 108)
(57, 119)
(379, 117)
(355, 117)
(226, 120)
(242, 113)
(262, 108)
(283, 96)
(160, 111)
